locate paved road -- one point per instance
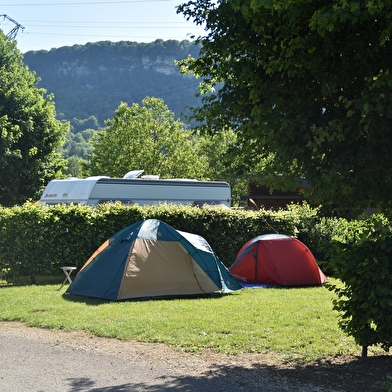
(37, 360)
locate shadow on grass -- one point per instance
(99, 301)
(358, 375)
(85, 300)
(28, 280)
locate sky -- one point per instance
(51, 24)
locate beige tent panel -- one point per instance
(162, 268)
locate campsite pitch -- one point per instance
(297, 324)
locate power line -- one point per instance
(105, 37)
(83, 3)
(105, 22)
(82, 28)
(110, 27)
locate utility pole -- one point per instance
(12, 34)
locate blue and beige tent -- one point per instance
(151, 259)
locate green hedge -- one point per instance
(316, 232)
(361, 256)
(36, 239)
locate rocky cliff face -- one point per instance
(161, 64)
(81, 67)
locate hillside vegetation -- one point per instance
(90, 81)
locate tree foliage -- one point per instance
(310, 82)
(29, 132)
(145, 137)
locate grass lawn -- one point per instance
(297, 324)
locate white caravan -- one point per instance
(146, 190)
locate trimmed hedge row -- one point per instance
(36, 239)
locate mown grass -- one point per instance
(297, 324)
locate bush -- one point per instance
(316, 232)
(361, 255)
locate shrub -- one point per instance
(315, 231)
(361, 255)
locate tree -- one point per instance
(145, 137)
(74, 166)
(30, 134)
(309, 82)
(225, 160)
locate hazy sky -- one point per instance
(54, 23)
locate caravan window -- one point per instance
(122, 201)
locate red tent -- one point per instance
(276, 260)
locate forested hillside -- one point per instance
(90, 81)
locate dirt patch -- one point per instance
(333, 374)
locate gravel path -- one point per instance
(39, 360)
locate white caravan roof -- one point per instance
(73, 190)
